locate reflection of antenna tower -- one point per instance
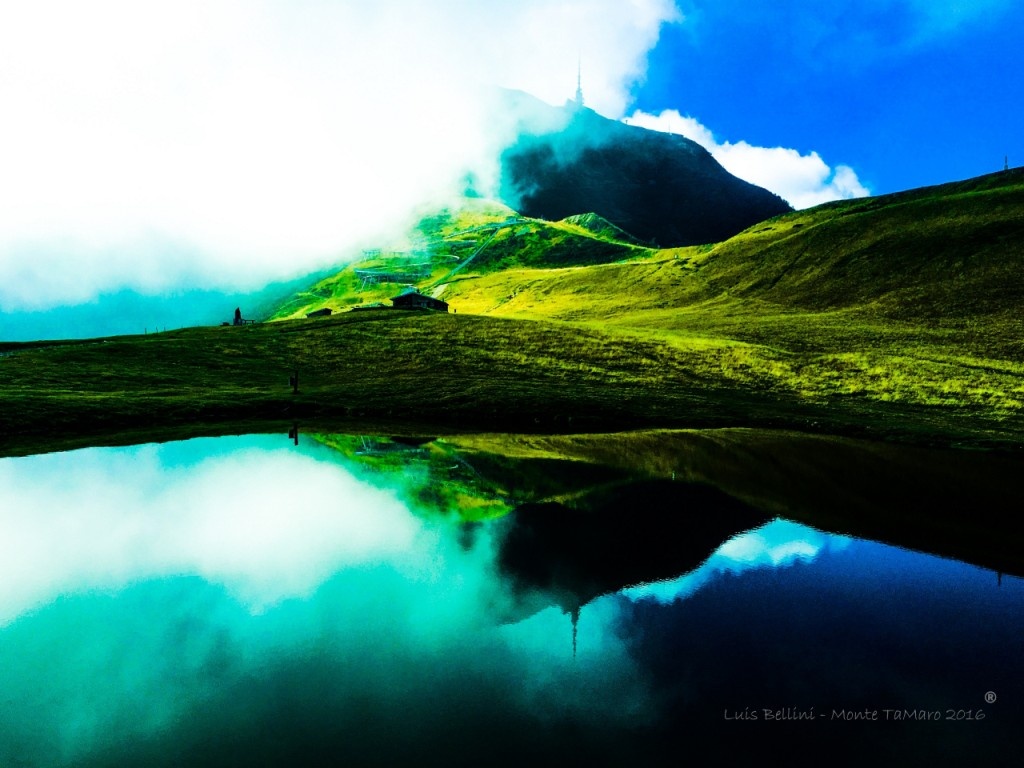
(575, 625)
(579, 85)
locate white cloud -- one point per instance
(266, 524)
(223, 144)
(940, 18)
(777, 544)
(395, 613)
(803, 180)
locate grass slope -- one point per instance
(601, 227)
(373, 372)
(462, 240)
(940, 253)
(893, 316)
(910, 298)
(388, 366)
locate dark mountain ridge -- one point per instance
(659, 187)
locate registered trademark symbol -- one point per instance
(990, 697)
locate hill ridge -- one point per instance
(600, 226)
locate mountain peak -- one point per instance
(663, 188)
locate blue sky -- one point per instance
(164, 149)
(906, 93)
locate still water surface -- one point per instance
(243, 601)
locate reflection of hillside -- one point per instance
(618, 537)
(440, 478)
(959, 504)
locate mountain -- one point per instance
(475, 237)
(943, 257)
(893, 317)
(907, 298)
(662, 188)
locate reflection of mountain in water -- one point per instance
(439, 478)
(952, 503)
(618, 537)
(595, 513)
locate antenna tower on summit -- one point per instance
(579, 85)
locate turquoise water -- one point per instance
(242, 601)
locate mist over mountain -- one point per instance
(657, 186)
(130, 312)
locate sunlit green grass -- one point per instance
(530, 243)
(896, 316)
(911, 298)
(457, 372)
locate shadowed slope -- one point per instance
(659, 187)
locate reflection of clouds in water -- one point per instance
(602, 679)
(265, 524)
(779, 543)
(151, 584)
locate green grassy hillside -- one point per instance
(945, 252)
(388, 371)
(895, 316)
(476, 237)
(601, 227)
(942, 253)
(912, 297)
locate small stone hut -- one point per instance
(411, 298)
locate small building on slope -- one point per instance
(410, 298)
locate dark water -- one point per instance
(241, 601)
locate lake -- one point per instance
(650, 599)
